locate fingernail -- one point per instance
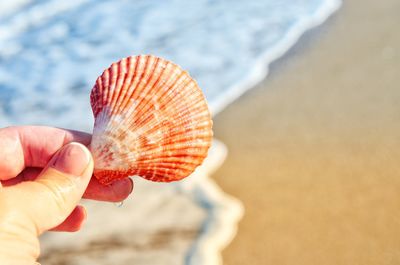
(131, 185)
(72, 159)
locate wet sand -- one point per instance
(314, 150)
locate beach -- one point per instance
(305, 159)
(314, 149)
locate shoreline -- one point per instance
(261, 66)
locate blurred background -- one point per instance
(312, 167)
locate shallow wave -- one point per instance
(52, 51)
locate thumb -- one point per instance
(59, 187)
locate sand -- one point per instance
(314, 150)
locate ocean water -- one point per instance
(51, 52)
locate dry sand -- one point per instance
(315, 149)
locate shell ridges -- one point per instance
(151, 120)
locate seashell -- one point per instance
(151, 120)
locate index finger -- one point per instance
(32, 146)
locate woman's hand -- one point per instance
(44, 172)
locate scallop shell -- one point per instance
(151, 120)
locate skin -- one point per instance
(44, 172)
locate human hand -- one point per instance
(44, 172)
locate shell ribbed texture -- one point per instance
(151, 120)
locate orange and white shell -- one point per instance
(151, 120)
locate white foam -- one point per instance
(223, 211)
(7, 7)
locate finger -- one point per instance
(28, 174)
(50, 199)
(73, 222)
(115, 192)
(32, 146)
